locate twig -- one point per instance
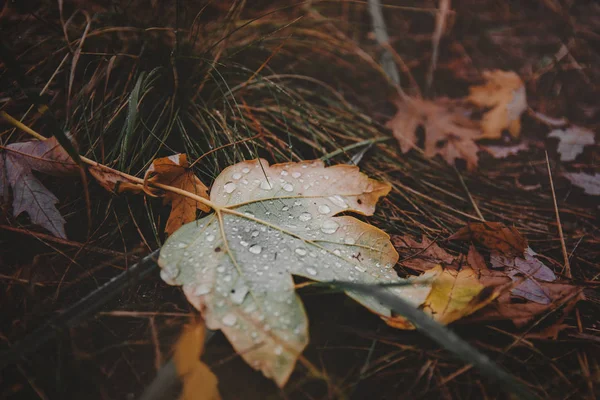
(464, 185)
(567, 266)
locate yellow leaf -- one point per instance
(454, 294)
(504, 92)
(199, 383)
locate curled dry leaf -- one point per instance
(199, 383)
(572, 141)
(175, 171)
(504, 93)
(272, 222)
(495, 236)
(454, 295)
(112, 181)
(588, 182)
(448, 132)
(29, 195)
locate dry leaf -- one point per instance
(29, 195)
(493, 235)
(454, 295)
(447, 131)
(504, 92)
(113, 181)
(272, 222)
(588, 182)
(533, 270)
(421, 256)
(199, 383)
(572, 141)
(174, 171)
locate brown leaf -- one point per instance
(420, 256)
(447, 131)
(174, 171)
(533, 270)
(29, 195)
(504, 92)
(493, 235)
(199, 383)
(114, 182)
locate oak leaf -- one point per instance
(272, 222)
(175, 171)
(199, 383)
(17, 164)
(572, 140)
(448, 132)
(494, 236)
(504, 92)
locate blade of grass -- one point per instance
(442, 335)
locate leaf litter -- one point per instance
(572, 140)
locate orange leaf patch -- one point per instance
(494, 236)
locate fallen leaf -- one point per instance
(454, 295)
(272, 222)
(532, 269)
(505, 151)
(199, 383)
(493, 235)
(588, 182)
(448, 132)
(504, 92)
(421, 256)
(563, 296)
(29, 194)
(572, 141)
(112, 181)
(174, 171)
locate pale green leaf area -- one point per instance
(272, 222)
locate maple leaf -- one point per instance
(272, 222)
(447, 131)
(504, 92)
(493, 235)
(174, 171)
(17, 164)
(588, 182)
(198, 380)
(572, 141)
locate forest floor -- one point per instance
(228, 81)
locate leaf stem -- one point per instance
(18, 124)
